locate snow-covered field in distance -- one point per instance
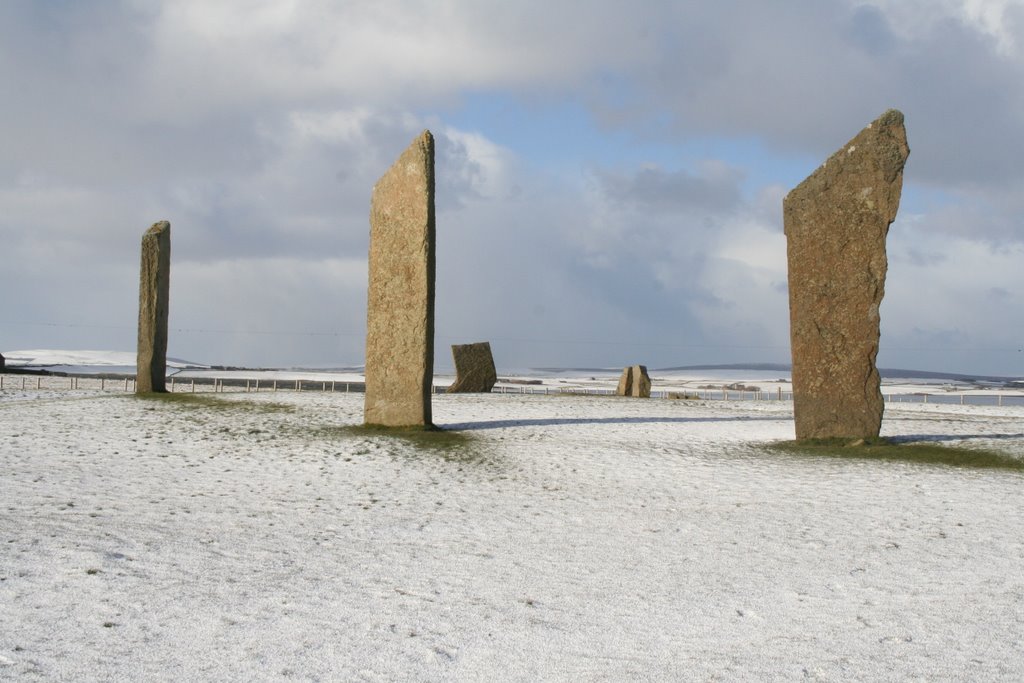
(567, 538)
(84, 361)
(601, 379)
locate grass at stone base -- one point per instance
(213, 402)
(887, 450)
(449, 444)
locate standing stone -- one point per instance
(836, 222)
(474, 368)
(625, 381)
(400, 310)
(635, 382)
(154, 287)
(641, 382)
(3, 362)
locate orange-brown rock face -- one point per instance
(154, 291)
(474, 368)
(836, 224)
(400, 310)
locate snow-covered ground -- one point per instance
(566, 538)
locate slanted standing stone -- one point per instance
(474, 368)
(400, 310)
(635, 382)
(836, 223)
(154, 287)
(2, 361)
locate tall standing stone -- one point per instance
(474, 368)
(836, 223)
(154, 289)
(400, 310)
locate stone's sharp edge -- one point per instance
(400, 297)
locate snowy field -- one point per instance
(565, 538)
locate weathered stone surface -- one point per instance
(641, 382)
(836, 223)
(474, 368)
(400, 310)
(154, 288)
(625, 381)
(635, 382)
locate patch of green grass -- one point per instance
(449, 444)
(886, 450)
(213, 402)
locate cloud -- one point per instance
(259, 128)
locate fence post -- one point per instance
(961, 399)
(1000, 400)
(275, 385)
(257, 386)
(332, 386)
(926, 398)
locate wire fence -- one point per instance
(256, 385)
(725, 394)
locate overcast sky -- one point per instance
(610, 175)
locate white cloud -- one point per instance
(259, 128)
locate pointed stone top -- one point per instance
(876, 155)
(885, 137)
(423, 145)
(891, 117)
(159, 227)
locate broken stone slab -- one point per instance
(635, 382)
(474, 368)
(836, 223)
(154, 291)
(400, 307)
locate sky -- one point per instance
(609, 174)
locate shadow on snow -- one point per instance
(565, 421)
